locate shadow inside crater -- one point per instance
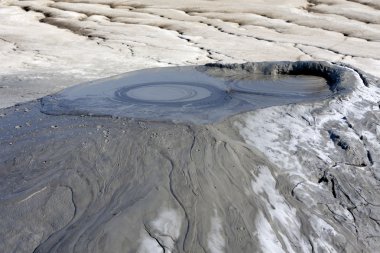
(202, 94)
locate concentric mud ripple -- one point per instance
(170, 94)
(200, 94)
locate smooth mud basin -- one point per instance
(198, 94)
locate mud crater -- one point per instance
(201, 94)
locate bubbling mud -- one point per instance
(199, 94)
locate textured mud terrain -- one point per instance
(48, 45)
(299, 177)
(292, 178)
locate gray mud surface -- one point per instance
(80, 183)
(200, 94)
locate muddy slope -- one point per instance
(290, 178)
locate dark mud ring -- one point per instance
(340, 79)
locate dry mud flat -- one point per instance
(299, 177)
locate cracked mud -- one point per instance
(145, 34)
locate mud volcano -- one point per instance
(175, 160)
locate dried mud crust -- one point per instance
(114, 37)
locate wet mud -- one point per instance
(160, 163)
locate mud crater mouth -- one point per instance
(170, 94)
(201, 94)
